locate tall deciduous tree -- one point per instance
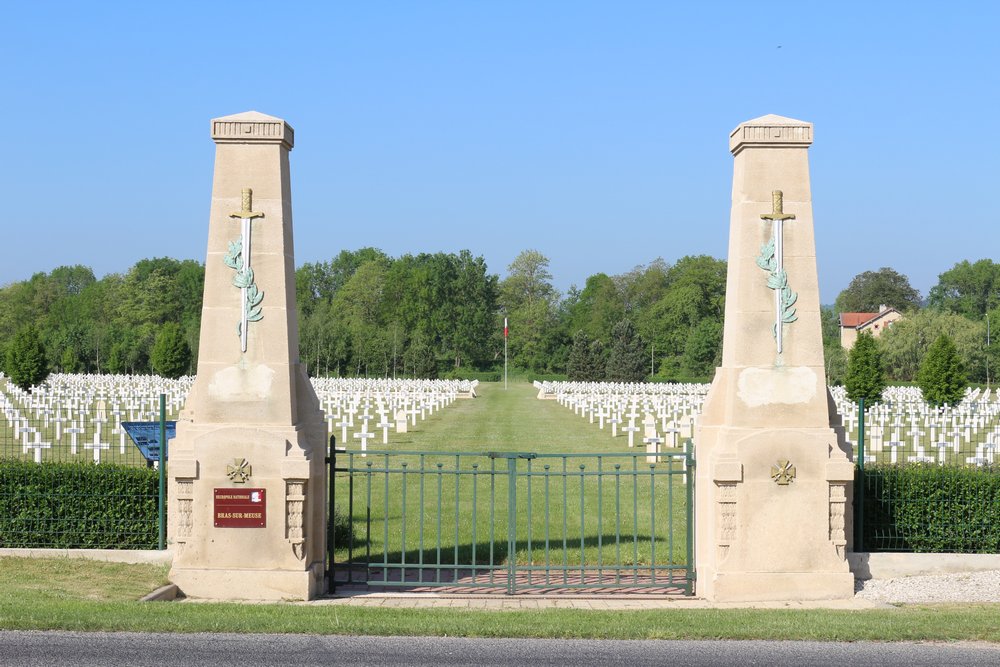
(26, 365)
(597, 308)
(871, 289)
(969, 289)
(865, 374)
(475, 310)
(695, 291)
(942, 377)
(906, 342)
(171, 356)
(529, 299)
(702, 350)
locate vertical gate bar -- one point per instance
(331, 534)
(689, 513)
(437, 569)
(493, 507)
(600, 522)
(368, 516)
(402, 531)
(511, 523)
(652, 522)
(350, 514)
(458, 478)
(618, 522)
(565, 476)
(420, 574)
(475, 517)
(530, 559)
(548, 572)
(635, 518)
(670, 514)
(385, 522)
(162, 466)
(583, 529)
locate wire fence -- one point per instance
(71, 476)
(928, 479)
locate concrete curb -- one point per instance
(867, 566)
(162, 594)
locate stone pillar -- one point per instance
(247, 470)
(774, 472)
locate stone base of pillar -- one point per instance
(220, 550)
(775, 586)
(773, 515)
(229, 584)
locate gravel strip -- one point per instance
(964, 587)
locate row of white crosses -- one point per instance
(668, 411)
(359, 405)
(83, 411)
(914, 432)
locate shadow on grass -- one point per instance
(573, 552)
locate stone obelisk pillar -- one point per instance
(773, 474)
(247, 472)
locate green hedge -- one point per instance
(931, 509)
(482, 376)
(78, 505)
(542, 377)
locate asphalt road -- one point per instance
(167, 650)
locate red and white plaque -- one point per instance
(240, 508)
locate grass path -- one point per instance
(560, 514)
(505, 420)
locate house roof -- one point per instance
(854, 319)
(861, 320)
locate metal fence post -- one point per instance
(689, 463)
(511, 522)
(859, 494)
(331, 533)
(163, 473)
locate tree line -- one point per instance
(364, 313)
(964, 307)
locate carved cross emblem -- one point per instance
(239, 471)
(783, 473)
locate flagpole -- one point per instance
(505, 354)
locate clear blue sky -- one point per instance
(594, 132)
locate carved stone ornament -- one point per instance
(239, 471)
(783, 473)
(771, 259)
(295, 532)
(238, 259)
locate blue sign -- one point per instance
(146, 436)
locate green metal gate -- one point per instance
(511, 522)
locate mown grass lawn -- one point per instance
(78, 595)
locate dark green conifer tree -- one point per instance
(942, 377)
(865, 372)
(627, 354)
(579, 365)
